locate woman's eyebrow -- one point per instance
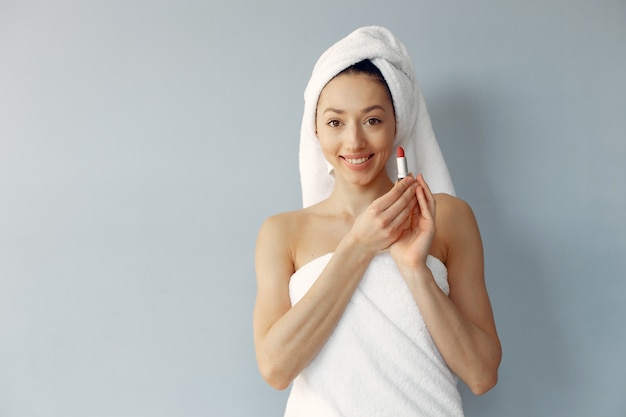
(374, 107)
(330, 109)
(365, 110)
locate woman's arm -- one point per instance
(287, 338)
(461, 325)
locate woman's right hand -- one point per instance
(384, 220)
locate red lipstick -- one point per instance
(401, 161)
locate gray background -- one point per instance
(142, 143)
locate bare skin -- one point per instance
(366, 213)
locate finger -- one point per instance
(397, 192)
(404, 204)
(427, 193)
(394, 208)
(426, 209)
(421, 181)
(413, 204)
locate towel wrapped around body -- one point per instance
(380, 360)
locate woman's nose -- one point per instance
(355, 138)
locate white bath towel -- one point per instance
(414, 129)
(380, 360)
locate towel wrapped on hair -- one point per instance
(414, 131)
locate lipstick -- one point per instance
(401, 161)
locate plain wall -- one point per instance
(142, 144)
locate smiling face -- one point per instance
(356, 126)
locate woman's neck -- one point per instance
(352, 199)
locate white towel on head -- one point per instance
(413, 128)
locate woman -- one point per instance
(371, 299)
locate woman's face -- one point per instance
(356, 126)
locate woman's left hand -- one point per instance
(413, 246)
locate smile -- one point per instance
(358, 161)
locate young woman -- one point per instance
(372, 299)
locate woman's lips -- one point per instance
(357, 161)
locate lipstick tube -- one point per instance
(402, 167)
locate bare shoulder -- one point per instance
(284, 225)
(452, 211)
(277, 233)
(304, 234)
(457, 229)
(279, 224)
(450, 202)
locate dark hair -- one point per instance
(368, 68)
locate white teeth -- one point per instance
(357, 161)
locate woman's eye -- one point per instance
(373, 121)
(333, 123)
